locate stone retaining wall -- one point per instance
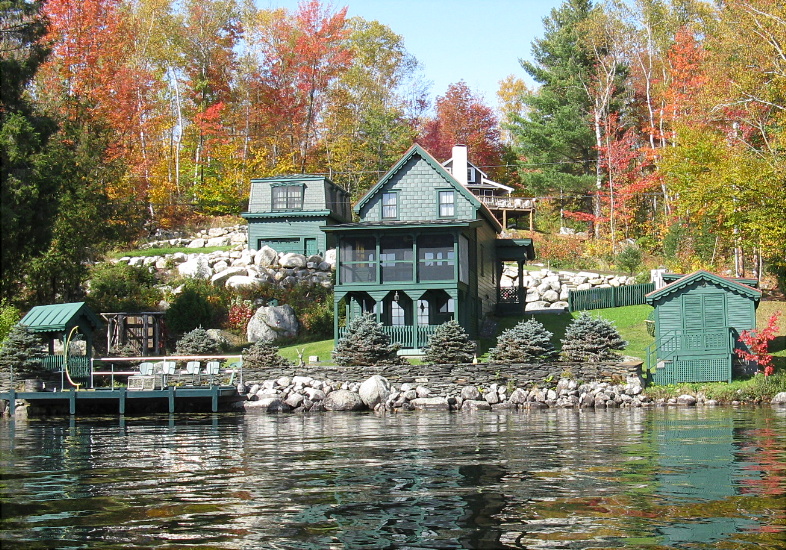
(443, 378)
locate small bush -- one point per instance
(9, 316)
(365, 343)
(527, 342)
(590, 338)
(121, 287)
(629, 259)
(263, 355)
(197, 342)
(200, 304)
(450, 343)
(23, 351)
(240, 313)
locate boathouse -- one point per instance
(286, 213)
(698, 321)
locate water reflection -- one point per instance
(698, 478)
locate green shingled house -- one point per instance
(286, 213)
(698, 321)
(424, 251)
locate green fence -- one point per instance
(78, 365)
(603, 297)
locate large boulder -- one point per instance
(292, 260)
(342, 400)
(779, 399)
(265, 257)
(195, 268)
(240, 282)
(374, 390)
(270, 323)
(222, 275)
(431, 404)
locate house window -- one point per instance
(287, 197)
(470, 174)
(423, 312)
(357, 262)
(447, 204)
(389, 206)
(396, 258)
(398, 317)
(436, 258)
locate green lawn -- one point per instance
(629, 320)
(163, 251)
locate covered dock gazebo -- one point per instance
(56, 322)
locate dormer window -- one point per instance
(447, 204)
(287, 197)
(470, 175)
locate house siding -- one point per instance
(485, 274)
(417, 184)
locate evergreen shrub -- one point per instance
(366, 344)
(263, 354)
(121, 287)
(197, 342)
(527, 342)
(23, 351)
(590, 338)
(450, 343)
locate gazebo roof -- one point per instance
(61, 318)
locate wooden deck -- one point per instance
(207, 398)
(504, 208)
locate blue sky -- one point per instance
(478, 41)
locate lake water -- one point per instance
(662, 478)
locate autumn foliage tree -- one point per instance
(463, 118)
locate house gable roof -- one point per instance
(483, 181)
(706, 276)
(60, 318)
(417, 150)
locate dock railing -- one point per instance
(233, 365)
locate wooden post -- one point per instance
(171, 399)
(72, 402)
(122, 401)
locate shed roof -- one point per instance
(706, 276)
(61, 317)
(515, 249)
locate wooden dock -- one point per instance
(171, 399)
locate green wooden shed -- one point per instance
(698, 321)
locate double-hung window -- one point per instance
(447, 204)
(287, 197)
(389, 206)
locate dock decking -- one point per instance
(170, 397)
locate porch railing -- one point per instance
(675, 343)
(408, 337)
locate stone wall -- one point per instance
(444, 378)
(549, 289)
(443, 387)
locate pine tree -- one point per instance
(197, 342)
(365, 343)
(263, 355)
(555, 132)
(591, 338)
(23, 351)
(527, 342)
(450, 343)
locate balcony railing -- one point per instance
(508, 203)
(408, 337)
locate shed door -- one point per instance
(703, 312)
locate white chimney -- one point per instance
(460, 164)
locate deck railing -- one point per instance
(675, 343)
(508, 203)
(408, 337)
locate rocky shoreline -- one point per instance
(306, 394)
